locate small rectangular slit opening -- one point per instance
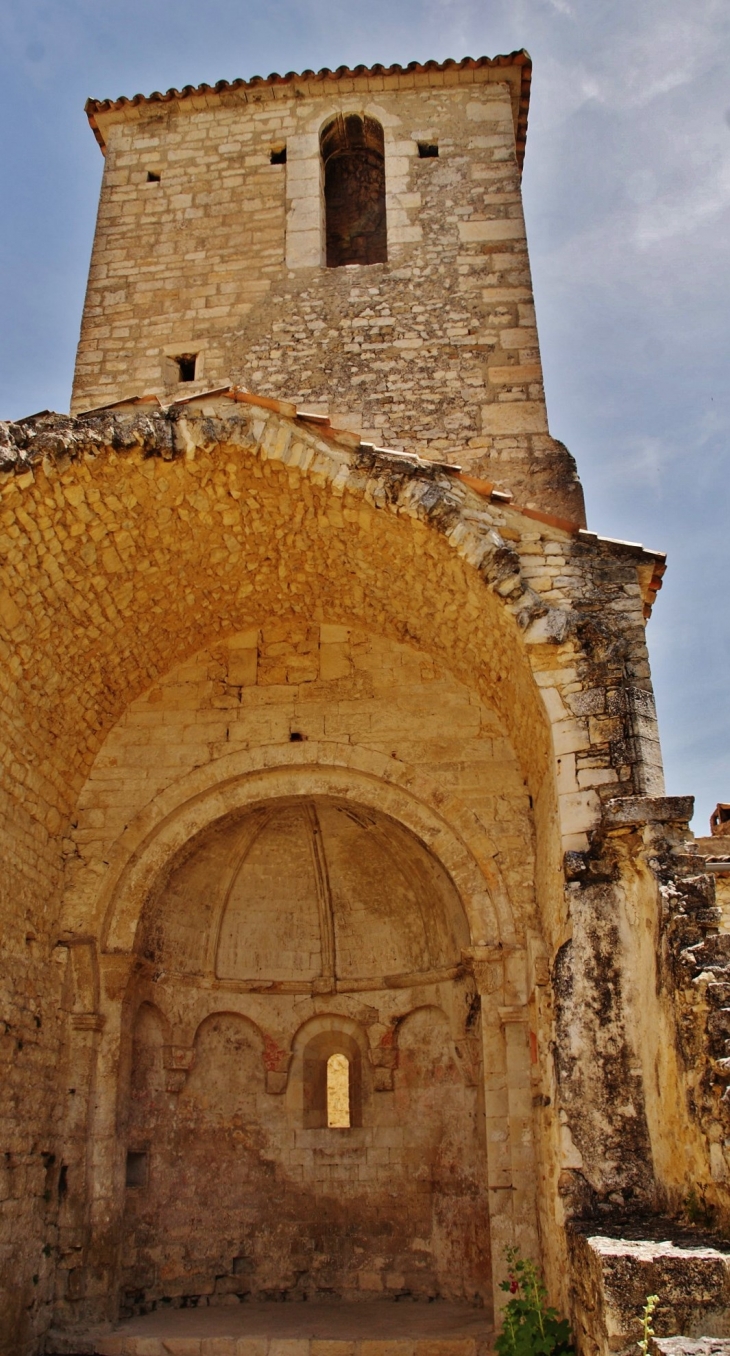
(428, 150)
(136, 1172)
(153, 177)
(186, 363)
(278, 155)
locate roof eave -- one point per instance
(519, 61)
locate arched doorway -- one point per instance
(302, 929)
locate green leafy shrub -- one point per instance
(530, 1327)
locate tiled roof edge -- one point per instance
(520, 58)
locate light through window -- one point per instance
(338, 1092)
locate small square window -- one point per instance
(278, 155)
(186, 365)
(428, 150)
(153, 177)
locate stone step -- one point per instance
(118, 1344)
(315, 1328)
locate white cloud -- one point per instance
(697, 205)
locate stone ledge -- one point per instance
(690, 1346)
(648, 810)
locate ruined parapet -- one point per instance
(642, 1069)
(652, 933)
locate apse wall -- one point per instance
(233, 1193)
(298, 681)
(203, 1095)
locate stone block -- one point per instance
(329, 1347)
(288, 1346)
(648, 810)
(448, 1346)
(518, 338)
(385, 1347)
(614, 1275)
(514, 417)
(500, 228)
(580, 811)
(516, 375)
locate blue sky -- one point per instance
(627, 198)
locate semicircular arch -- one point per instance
(321, 534)
(243, 780)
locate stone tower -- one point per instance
(348, 936)
(211, 261)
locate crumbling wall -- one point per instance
(30, 1035)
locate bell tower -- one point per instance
(352, 241)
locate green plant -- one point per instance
(530, 1327)
(646, 1329)
(698, 1210)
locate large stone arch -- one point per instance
(247, 778)
(133, 541)
(271, 775)
(145, 571)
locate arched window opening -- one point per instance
(338, 1092)
(353, 154)
(332, 1075)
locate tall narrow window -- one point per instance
(338, 1092)
(332, 1078)
(354, 191)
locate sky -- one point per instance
(627, 201)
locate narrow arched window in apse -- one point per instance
(338, 1092)
(353, 154)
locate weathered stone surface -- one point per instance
(649, 810)
(613, 1275)
(689, 1346)
(254, 495)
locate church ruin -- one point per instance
(349, 936)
